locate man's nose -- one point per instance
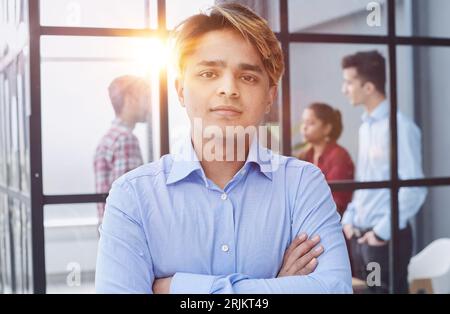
(229, 87)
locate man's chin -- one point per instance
(223, 124)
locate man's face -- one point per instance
(353, 87)
(224, 82)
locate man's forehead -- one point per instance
(351, 72)
(228, 46)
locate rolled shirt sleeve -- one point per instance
(124, 264)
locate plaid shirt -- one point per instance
(117, 153)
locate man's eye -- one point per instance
(249, 78)
(208, 74)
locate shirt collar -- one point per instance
(186, 161)
(119, 123)
(380, 112)
(262, 157)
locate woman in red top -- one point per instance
(321, 128)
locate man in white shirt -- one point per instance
(367, 223)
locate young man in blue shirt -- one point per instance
(206, 220)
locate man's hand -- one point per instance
(370, 239)
(162, 285)
(301, 256)
(348, 231)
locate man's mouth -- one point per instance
(227, 111)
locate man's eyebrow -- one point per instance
(223, 64)
(212, 63)
(250, 67)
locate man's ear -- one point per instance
(369, 88)
(127, 100)
(273, 92)
(179, 83)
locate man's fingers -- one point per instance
(301, 250)
(363, 239)
(309, 268)
(296, 242)
(303, 261)
(348, 234)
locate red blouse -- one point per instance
(336, 164)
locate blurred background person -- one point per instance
(367, 220)
(118, 151)
(321, 128)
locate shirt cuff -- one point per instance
(347, 218)
(185, 283)
(383, 229)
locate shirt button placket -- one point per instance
(226, 247)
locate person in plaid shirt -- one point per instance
(118, 151)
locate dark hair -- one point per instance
(371, 67)
(329, 115)
(125, 85)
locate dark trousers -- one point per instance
(363, 254)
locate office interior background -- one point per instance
(57, 58)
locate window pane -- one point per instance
(14, 166)
(99, 13)
(23, 98)
(423, 18)
(71, 240)
(5, 247)
(431, 248)
(77, 111)
(338, 16)
(424, 98)
(15, 246)
(178, 10)
(179, 124)
(317, 76)
(20, 217)
(3, 120)
(11, 129)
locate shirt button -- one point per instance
(225, 248)
(224, 196)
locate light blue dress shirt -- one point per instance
(372, 208)
(167, 219)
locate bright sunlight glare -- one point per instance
(152, 54)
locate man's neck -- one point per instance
(373, 103)
(218, 169)
(130, 123)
